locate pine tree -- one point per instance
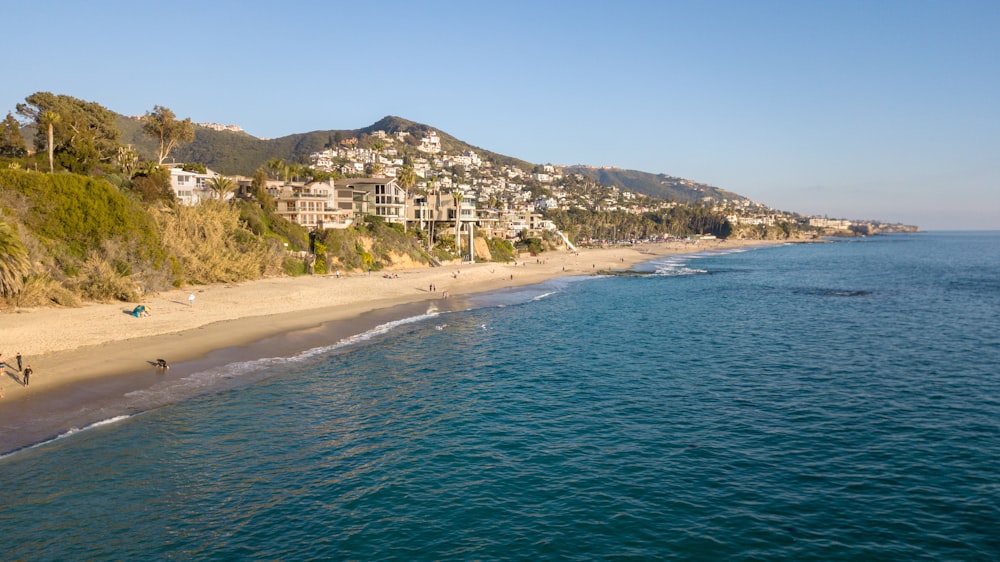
(11, 140)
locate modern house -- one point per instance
(315, 205)
(439, 207)
(382, 197)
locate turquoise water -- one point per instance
(832, 401)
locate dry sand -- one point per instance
(79, 347)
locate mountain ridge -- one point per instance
(239, 153)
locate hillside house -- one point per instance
(191, 188)
(830, 224)
(310, 205)
(382, 197)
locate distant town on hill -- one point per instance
(98, 206)
(444, 161)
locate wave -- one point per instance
(68, 433)
(677, 265)
(171, 391)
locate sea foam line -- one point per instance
(211, 377)
(206, 379)
(68, 433)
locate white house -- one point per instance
(191, 188)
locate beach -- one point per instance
(93, 353)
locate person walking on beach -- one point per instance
(191, 299)
(18, 361)
(27, 374)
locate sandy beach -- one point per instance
(88, 353)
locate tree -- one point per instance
(14, 263)
(407, 179)
(221, 186)
(128, 159)
(11, 140)
(48, 119)
(275, 167)
(259, 188)
(83, 136)
(152, 183)
(162, 125)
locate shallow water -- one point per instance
(807, 402)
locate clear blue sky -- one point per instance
(864, 109)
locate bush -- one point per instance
(100, 282)
(500, 249)
(73, 214)
(42, 290)
(208, 244)
(294, 266)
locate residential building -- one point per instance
(382, 197)
(190, 188)
(310, 205)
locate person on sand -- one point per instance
(162, 364)
(18, 361)
(27, 374)
(191, 299)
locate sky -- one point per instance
(861, 109)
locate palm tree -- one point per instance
(276, 167)
(14, 263)
(407, 179)
(221, 185)
(49, 119)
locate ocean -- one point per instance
(832, 401)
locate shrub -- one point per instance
(42, 290)
(14, 263)
(73, 214)
(500, 249)
(208, 244)
(101, 282)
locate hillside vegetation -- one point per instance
(239, 153)
(67, 238)
(660, 186)
(87, 211)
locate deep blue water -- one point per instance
(834, 401)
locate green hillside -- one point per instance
(233, 153)
(660, 186)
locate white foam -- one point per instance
(678, 271)
(68, 433)
(195, 382)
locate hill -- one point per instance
(238, 153)
(660, 186)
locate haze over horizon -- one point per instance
(863, 110)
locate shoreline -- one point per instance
(86, 359)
